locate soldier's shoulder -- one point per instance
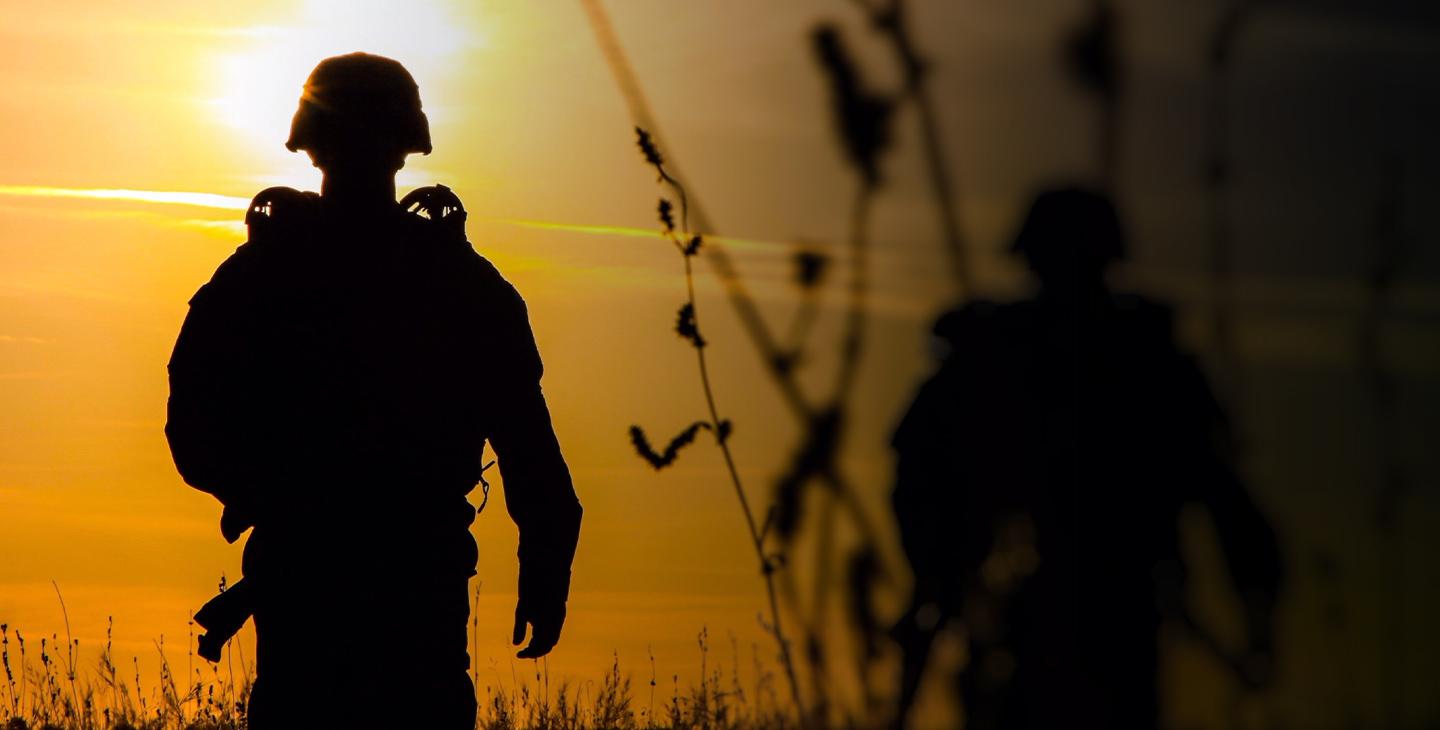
(435, 214)
(274, 217)
(279, 213)
(975, 317)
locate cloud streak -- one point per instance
(631, 232)
(230, 202)
(163, 197)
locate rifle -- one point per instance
(222, 617)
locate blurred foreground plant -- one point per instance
(688, 244)
(863, 119)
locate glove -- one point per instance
(541, 606)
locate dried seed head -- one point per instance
(660, 460)
(687, 327)
(647, 147)
(810, 268)
(722, 433)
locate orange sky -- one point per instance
(131, 134)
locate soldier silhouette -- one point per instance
(1041, 475)
(333, 386)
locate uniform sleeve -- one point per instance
(209, 427)
(918, 471)
(1247, 540)
(539, 493)
(930, 497)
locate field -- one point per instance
(46, 688)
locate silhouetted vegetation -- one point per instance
(812, 493)
(50, 692)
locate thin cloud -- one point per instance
(230, 202)
(770, 283)
(223, 228)
(163, 197)
(631, 232)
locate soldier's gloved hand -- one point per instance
(542, 607)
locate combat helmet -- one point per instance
(360, 97)
(1071, 224)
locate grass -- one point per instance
(717, 702)
(51, 690)
(48, 691)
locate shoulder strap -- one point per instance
(440, 210)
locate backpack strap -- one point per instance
(440, 210)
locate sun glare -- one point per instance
(261, 82)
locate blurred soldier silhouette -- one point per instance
(1041, 475)
(333, 386)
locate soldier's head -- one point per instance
(360, 114)
(1069, 238)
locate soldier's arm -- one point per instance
(210, 395)
(539, 493)
(927, 491)
(918, 454)
(1247, 540)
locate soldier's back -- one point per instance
(371, 351)
(368, 366)
(1055, 431)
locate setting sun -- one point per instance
(263, 67)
